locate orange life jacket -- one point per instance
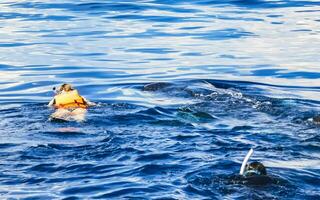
(70, 99)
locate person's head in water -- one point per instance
(65, 87)
(255, 169)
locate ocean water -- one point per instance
(183, 90)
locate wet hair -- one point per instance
(255, 168)
(65, 87)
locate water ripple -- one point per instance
(183, 90)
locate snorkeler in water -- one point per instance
(254, 173)
(69, 104)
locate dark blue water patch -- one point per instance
(17, 44)
(84, 169)
(306, 11)
(301, 30)
(169, 8)
(90, 8)
(109, 60)
(65, 133)
(274, 15)
(191, 27)
(137, 62)
(18, 68)
(258, 4)
(170, 123)
(82, 6)
(8, 145)
(223, 34)
(56, 18)
(160, 169)
(45, 168)
(301, 74)
(5, 67)
(47, 30)
(11, 15)
(84, 189)
(83, 54)
(277, 23)
(158, 111)
(108, 187)
(50, 18)
(110, 6)
(192, 54)
(97, 8)
(72, 198)
(129, 118)
(34, 17)
(37, 154)
(62, 68)
(21, 44)
(232, 56)
(154, 157)
(265, 72)
(131, 193)
(155, 18)
(65, 152)
(281, 74)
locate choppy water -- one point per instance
(234, 75)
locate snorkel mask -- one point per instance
(255, 169)
(62, 88)
(56, 91)
(252, 172)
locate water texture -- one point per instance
(184, 89)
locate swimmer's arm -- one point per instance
(89, 103)
(51, 103)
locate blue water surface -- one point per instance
(183, 90)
